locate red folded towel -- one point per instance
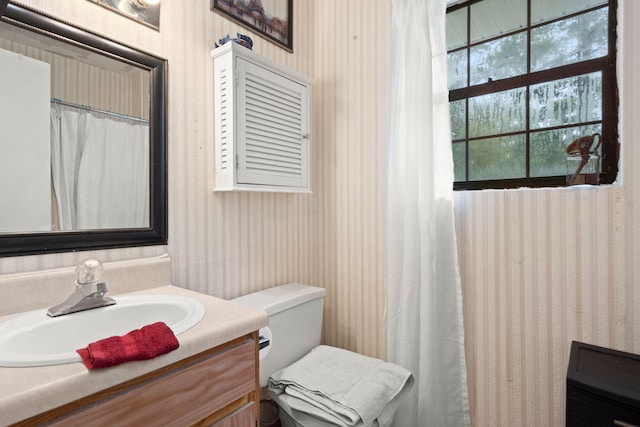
(140, 344)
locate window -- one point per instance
(526, 78)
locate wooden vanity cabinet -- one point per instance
(219, 387)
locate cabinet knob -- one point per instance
(306, 136)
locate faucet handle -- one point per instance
(89, 271)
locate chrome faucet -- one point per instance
(89, 291)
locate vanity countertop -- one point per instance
(26, 392)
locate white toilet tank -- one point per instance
(295, 324)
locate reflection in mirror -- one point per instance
(82, 146)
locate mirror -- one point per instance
(82, 139)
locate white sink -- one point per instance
(35, 339)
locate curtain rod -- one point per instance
(96, 110)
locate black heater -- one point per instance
(603, 387)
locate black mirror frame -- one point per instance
(16, 244)
(3, 6)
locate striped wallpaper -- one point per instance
(125, 91)
(539, 267)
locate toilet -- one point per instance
(295, 324)
(295, 327)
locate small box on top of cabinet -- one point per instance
(262, 139)
(603, 387)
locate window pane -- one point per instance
(572, 40)
(547, 59)
(459, 157)
(561, 102)
(548, 157)
(458, 119)
(456, 29)
(496, 113)
(494, 17)
(505, 57)
(457, 69)
(497, 158)
(545, 10)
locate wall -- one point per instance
(77, 82)
(230, 244)
(540, 267)
(352, 73)
(222, 244)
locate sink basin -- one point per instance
(35, 339)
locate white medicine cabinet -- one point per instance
(262, 126)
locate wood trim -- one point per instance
(256, 391)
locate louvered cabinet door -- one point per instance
(262, 125)
(272, 132)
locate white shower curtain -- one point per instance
(424, 305)
(100, 170)
(65, 158)
(113, 176)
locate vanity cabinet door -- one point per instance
(244, 417)
(210, 388)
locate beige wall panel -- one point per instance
(351, 80)
(221, 244)
(539, 267)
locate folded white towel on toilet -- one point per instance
(342, 387)
(308, 418)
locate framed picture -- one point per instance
(271, 19)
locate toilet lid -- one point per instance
(280, 298)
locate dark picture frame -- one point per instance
(267, 23)
(3, 6)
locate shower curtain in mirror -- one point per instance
(100, 170)
(424, 303)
